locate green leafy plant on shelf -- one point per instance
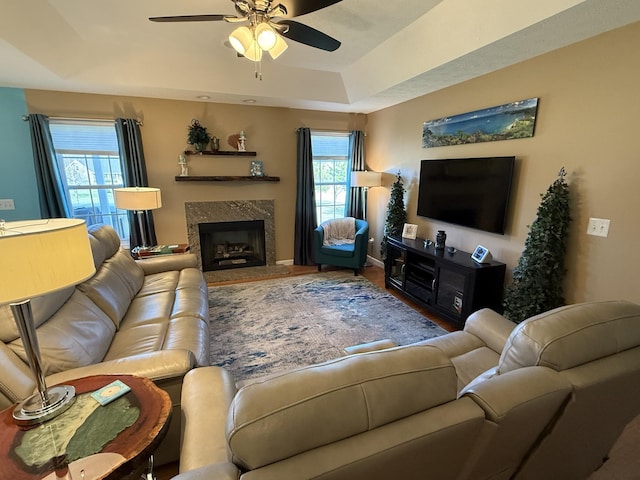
(396, 215)
(198, 136)
(539, 275)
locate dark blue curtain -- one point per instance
(51, 192)
(135, 175)
(355, 204)
(306, 220)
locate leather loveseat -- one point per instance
(147, 318)
(544, 399)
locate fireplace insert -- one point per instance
(225, 245)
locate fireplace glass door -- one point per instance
(225, 245)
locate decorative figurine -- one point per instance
(184, 170)
(241, 142)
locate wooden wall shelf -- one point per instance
(226, 178)
(233, 153)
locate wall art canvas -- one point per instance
(504, 122)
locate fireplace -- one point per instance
(225, 245)
(233, 211)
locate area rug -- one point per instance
(268, 326)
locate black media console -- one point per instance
(451, 285)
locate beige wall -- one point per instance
(587, 122)
(270, 132)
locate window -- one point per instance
(88, 162)
(331, 173)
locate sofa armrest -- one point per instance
(318, 238)
(519, 407)
(166, 263)
(362, 239)
(490, 327)
(214, 471)
(207, 394)
(160, 365)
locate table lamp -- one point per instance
(139, 200)
(39, 257)
(365, 179)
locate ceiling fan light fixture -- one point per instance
(279, 47)
(254, 52)
(266, 36)
(241, 39)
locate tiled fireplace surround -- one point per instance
(235, 211)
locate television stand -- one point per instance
(450, 285)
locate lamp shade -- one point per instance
(241, 39)
(42, 256)
(137, 198)
(266, 36)
(279, 47)
(366, 179)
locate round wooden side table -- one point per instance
(89, 441)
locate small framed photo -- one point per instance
(481, 254)
(256, 168)
(410, 231)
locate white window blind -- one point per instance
(331, 173)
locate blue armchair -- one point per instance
(350, 255)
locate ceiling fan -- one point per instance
(267, 22)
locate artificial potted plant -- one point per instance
(198, 136)
(538, 277)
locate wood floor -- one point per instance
(624, 463)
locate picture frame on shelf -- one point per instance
(256, 168)
(410, 231)
(481, 255)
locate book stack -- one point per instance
(162, 250)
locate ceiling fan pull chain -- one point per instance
(258, 69)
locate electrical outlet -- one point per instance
(7, 204)
(598, 227)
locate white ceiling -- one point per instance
(391, 51)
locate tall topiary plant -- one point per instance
(538, 277)
(396, 214)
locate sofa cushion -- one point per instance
(346, 250)
(41, 308)
(572, 335)
(114, 285)
(104, 242)
(78, 334)
(309, 407)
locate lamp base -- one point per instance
(32, 410)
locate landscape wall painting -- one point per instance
(504, 122)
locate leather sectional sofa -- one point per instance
(148, 318)
(544, 399)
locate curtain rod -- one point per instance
(320, 130)
(139, 122)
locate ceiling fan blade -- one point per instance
(189, 18)
(295, 8)
(299, 32)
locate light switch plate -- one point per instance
(7, 204)
(598, 227)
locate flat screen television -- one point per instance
(471, 192)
